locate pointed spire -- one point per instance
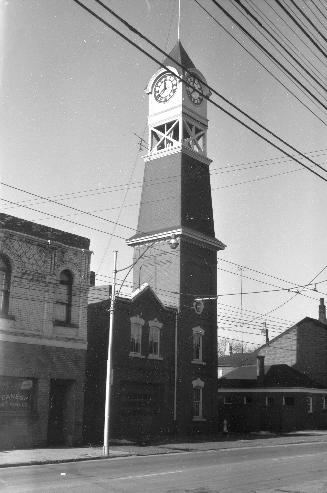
(179, 54)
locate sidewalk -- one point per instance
(122, 448)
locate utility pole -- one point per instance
(109, 360)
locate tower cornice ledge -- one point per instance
(188, 234)
(175, 150)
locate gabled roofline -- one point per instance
(146, 287)
(301, 322)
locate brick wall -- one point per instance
(32, 343)
(304, 347)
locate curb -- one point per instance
(243, 444)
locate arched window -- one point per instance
(5, 274)
(63, 307)
(154, 338)
(198, 334)
(197, 399)
(136, 336)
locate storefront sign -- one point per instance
(16, 394)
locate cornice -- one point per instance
(175, 150)
(190, 235)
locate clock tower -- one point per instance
(175, 248)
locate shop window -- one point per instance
(17, 395)
(5, 275)
(154, 338)
(136, 336)
(198, 334)
(197, 399)
(63, 306)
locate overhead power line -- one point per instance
(309, 20)
(296, 50)
(257, 21)
(91, 12)
(232, 18)
(259, 62)
(319, 10)
(300, 27)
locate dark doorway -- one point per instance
(57, 424)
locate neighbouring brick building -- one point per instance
(288, 390)
(274, 398)
(303, 346)
(44, 278)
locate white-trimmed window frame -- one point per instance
(197, 337)
(137, 324)
(155, 335)
(197, 404)
(309, 404)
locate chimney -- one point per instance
(260, 369)
(92, 278)
(322, 311)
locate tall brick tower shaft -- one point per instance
(176, 203)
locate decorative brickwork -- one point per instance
(35, 342)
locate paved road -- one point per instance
(264, 469)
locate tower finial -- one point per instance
(179, 20)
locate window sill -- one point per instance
(69, 331)
(59, 323)
(136, 355)
(196, 418)
(154, 356)
(198, 362)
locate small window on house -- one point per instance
(269, 401)
(308, 404)
(136, 336)
(5, 275)
(154, 341)
(247, 399)
(288, 401)
(228, 399)
(324, 401)
(63, 306)
(154, 338)
(198, 334)
(197, 399)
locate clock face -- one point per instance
(165, 88)
(194, 89)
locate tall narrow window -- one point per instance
(308, 404)
(198, 334)
(5, 274)
(136, 336)
(154, 338)
(197, 399)
(63, 307)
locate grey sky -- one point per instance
(72, 97)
